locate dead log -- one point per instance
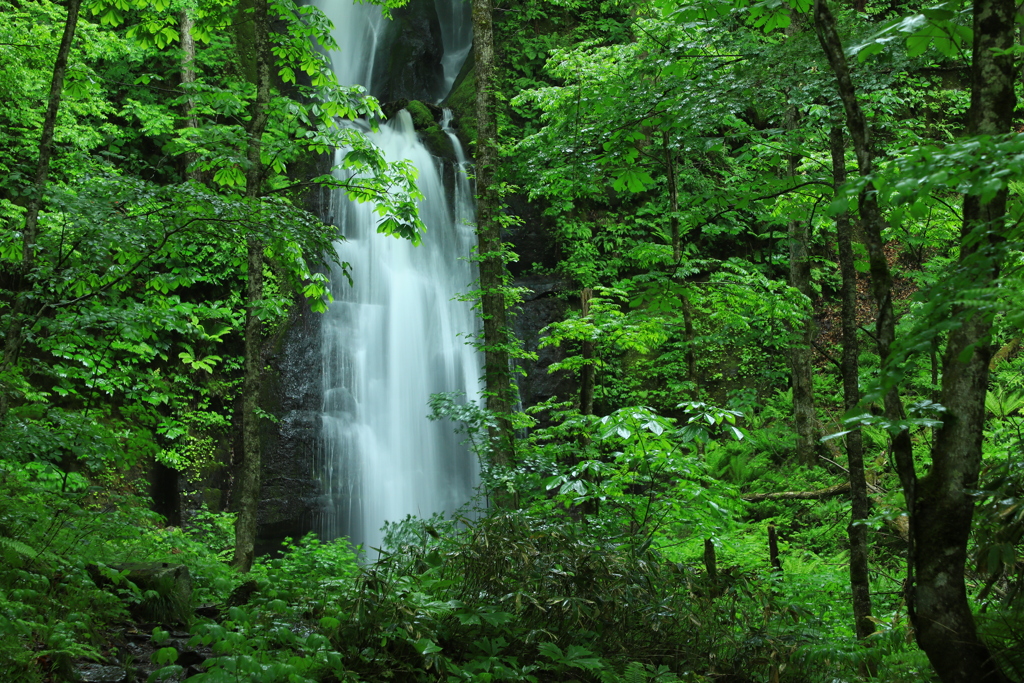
(800, 495)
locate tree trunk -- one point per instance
(943, 508)
(691, 351)
(873, 223)
(188, 77)
(248, 477)
(860, 507)
(940, 508)
(497, 377)
(587, 375)
(673, 195)
(677, 257)
(800, 355)
(13, 336)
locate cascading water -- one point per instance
(396, 336)
(457, 35)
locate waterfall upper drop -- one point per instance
(397, 335)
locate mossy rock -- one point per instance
(462, 101)
(425, 120)
(166, 590)
(438, 142)
(422, 117)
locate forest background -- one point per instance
(789, 237)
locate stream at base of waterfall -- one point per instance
(398, 334)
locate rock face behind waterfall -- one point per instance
(292, 393)
(410, 67)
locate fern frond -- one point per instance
(16, 552)
(635, 673)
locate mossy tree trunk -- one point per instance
(497, 377)
(942, 504)
(800, 355)
(188, 77)
(248, 474)
(939, 504)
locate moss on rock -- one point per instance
(462, 101)
(424, 120)
(422, 117)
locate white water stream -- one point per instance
(396, 336)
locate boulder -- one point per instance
(166, 589)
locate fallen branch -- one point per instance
(900, 525)
(800, 495)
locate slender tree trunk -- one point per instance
(800, 355)
(677, 257)
(587, 376)
(861, 507)
(248, 477)
(673, 195)
(691, 351)
(943, 507)
(14, 337)
(188, 77)
(872, 222)
(497, 377)
(773, 549)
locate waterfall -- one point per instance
(457, 35)
(396, 335)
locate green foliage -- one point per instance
(667, 150)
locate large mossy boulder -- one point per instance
(165, 588)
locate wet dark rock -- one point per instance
(541, 307)
(209, 611)
(242, 593)
(292, 393)
(101, 673)
(530, 237)
(410, 64)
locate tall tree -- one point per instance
(188, 78)
(30, 232)
(942, 504)
(497, 377)
(248, 477)
(857, 531)
(939, 504)
(800, 355)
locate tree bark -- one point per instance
(188, 77)
(13, 336)
(943, 508)
(497, 377)
(248, 477)
(677, 257)
(800, 354)
(587, 375)
(773, 550)
(860, 506)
